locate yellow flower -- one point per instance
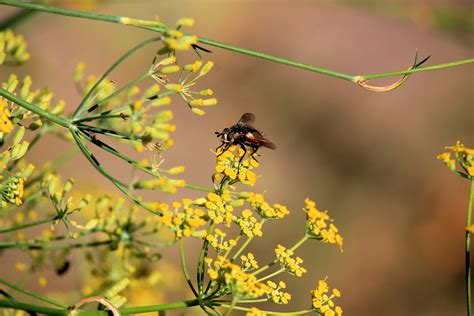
(255, 312)
(249, 262)
(319, 225)
(322, 302)
(288, 263)
(6, 125)
(463, 155)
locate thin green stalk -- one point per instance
(201, 264)
(27, 225)
(245, 309)
(420, 69)
(31, 294)
(34, 308)
(242, 248)
(122, 89)
(183, 267)
(35, 109)
(81, 106)
(468, 250)
(123, 311)
(16, 244)
(271, 275)
(299, 243)
(285, 61)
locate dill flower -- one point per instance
(288, 263)
(6, 125)
(183, 223)
(276, 294)
(463, 155)
(249, 225)
(12, 48)
(218, 242)
(249, 262)
(319, 225)
(218, 207)
(322, 300)
(12, 191)
(276, 211)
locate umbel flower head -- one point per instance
(319, 225)
(12, 48)
(464, 156)
(322, 300)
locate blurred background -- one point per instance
(370, 159)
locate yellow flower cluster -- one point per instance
(276, 294)
(183, 223)
(40, 97)
(163, 184)
(288, 263)
(255, 312)
(228, 166)
(319, 225)
(218, 207)
(6, 125)
(322, 301)
(177, 40)
(277, 211)
(12, 48)
(12, 191)
(218, 242)
(463, 155)
(249, 225)
(238, 282)
(249, 262)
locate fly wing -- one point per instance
(247, 118)
(268, 144)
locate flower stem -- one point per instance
(183, 266)
(35, 109)
(468, 250)
(31, 294)
(27, 225)
(237, 49)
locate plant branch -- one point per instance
(233, 48)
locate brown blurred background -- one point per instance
(370, 159)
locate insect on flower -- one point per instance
(245, 135)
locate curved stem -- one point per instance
(468, 250)
(332, 73)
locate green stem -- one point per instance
(299, 243)
(123, 311)
(271, 275)
(245, 309)
(16, 244)
(183, 267)
(122, 89)
(244, 245)
(332, 73)
(468, 250)
(420, 69)
(31, 294)
(34, 308)
(81, 106)
(35, 109)
(27, 225)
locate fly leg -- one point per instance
(242, 157)
(224, 147)
(254, 151)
